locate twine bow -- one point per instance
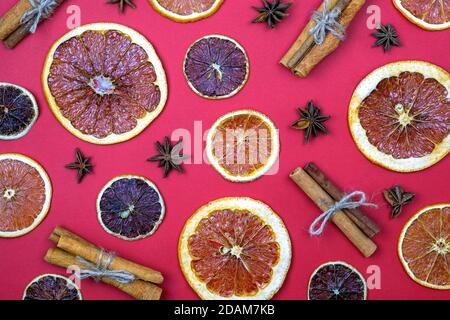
(40, 9)
(98, 271)
(319, 223)
(326, 21)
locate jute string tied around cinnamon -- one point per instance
(40, 9)
(326, 21)
(346, 202)
(98, 271)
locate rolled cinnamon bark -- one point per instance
(366, 246)
(138, 289)
(77, 246)
(10, 21)
(367, 225)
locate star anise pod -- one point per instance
(169, 157)
(122, 4)
(82, 164)
(311, 121)
(387, 37)
(272, 12)
(397, 198)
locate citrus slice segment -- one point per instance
(337, 281)
(25, 195)
(104, 82)
(424, 247)
(130, 207)
(52, 287)
(216, 67)
(427, 14)
(399, 115)
(235, 248)
(18, 111)
(243, 145)
(186, 10)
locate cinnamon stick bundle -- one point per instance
(367, 225)
(70, 246)
(305, 54)
(323, 200)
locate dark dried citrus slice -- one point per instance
(186, 10)
(337, 281)
(427, 14)
(399, 115)
(25, 195)
(130, 207)
(18, 111)
(243, 145)
(424, 247)
(235, 248)
(52, 287)
(216, 67)
(104, 82)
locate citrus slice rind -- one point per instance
(154, 224)
(271, 160)
(48, 194)
(366, 87)
(428, 247)
(192, 17)
(56, 282)
(160, 82)
(420, 22)
(242, 81)
(341, 264)
(31, 121)
(261, 211)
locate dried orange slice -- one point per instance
(235, 248)
(427, 14)
(186, 10)
(243, 145)
(399, 115)
(104, 82)
(424, 247)
(52, 287)
(25, 194)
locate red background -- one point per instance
(270, 89)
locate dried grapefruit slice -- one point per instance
(427, 14)
(424, 247)
(337, 281)
(235, 248)
(52, 287)
(18, 111)
(186, 10)
(399, 115)
(104, 82)
(243, 145)
(25, 195)
(130, 207)
(216, 67)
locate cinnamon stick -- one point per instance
(304, 54)
(138, 289)
(367, 225)
(77, 246)
(10, 21)
(366, 246)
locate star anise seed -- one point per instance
(311, 121)
(387, 37)
(82, 164)
(272, 12)
(397, 198)
(122, 4)
(169, 157)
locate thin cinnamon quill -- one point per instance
(305, 54)
(10, 21)
(323, 200)
(367, 225)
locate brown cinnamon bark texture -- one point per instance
(10, 21)
(367, 225)
(304, 54)
(366, 246)
(138, 289)
(77, 246)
